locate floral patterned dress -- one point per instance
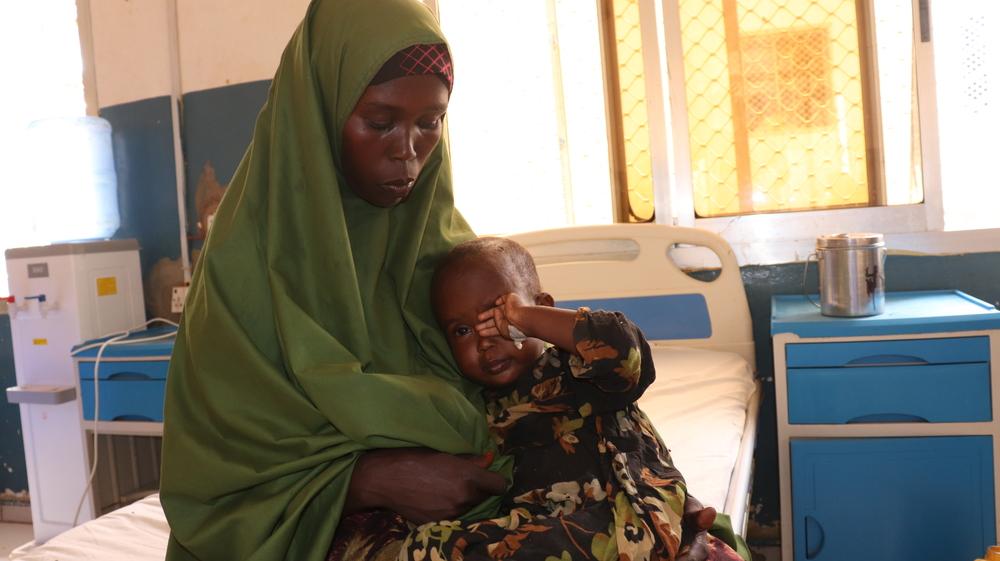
(592, 479)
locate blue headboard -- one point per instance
(661, 317)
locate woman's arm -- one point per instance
(421, 485)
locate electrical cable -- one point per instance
(129, 331)
(120, 338)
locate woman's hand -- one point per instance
(695, 523)
(421, 485)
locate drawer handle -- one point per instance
(128, 376)
(883, 360)
(888, 418)
(132, 418)
(815, 536)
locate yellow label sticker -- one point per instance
(107, 286)
(39, 341)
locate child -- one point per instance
(592, 480)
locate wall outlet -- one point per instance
(177, 299)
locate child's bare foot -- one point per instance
(695, 522)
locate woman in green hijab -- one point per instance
(309, 379)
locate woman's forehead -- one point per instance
(413, 93)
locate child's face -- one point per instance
(462, 293)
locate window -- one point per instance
(967, 71)
(781, 104)
(528, 134)
(778, 119)
(43, 78)
(631, 156)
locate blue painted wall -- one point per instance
(143, 144)
(13, 473)
(218, 126)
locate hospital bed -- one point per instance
(704, 401)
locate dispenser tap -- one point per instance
(42, 306)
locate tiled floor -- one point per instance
(11, 536)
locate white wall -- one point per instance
(131, 60)
(225, 42)
(221, 42)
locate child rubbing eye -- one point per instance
(592, 479)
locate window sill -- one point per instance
(767, 239)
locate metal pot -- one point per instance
(851, 274)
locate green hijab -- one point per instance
(308, 335)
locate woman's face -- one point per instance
(387, 138)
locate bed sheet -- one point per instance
(698, 403)
(137, 532)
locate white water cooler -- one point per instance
(63, 294)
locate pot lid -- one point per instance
(849, 240)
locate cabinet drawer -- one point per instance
(124, 400)
(897, 351)
(940, 393)
(125, 369)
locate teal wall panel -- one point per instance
(218, 126)
(13, 474)
(143, 143)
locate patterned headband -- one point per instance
(418, 60)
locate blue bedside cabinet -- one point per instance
(131, 382)
(123, 397)
(887, 429)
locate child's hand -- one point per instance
(498, 319)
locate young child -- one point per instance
(592, 480)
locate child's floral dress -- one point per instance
(592, 479)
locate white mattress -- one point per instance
(698, 404)
(137, 532)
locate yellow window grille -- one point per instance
(777, 105)
(627, 88)
(787, 79)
